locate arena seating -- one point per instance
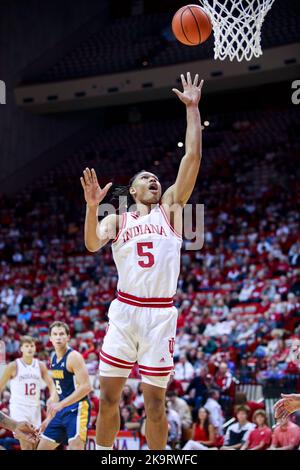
(147, 41)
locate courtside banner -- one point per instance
(126, 440)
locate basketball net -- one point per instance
(237, 26)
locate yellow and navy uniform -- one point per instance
(73, 420)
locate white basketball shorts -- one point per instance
(21, 412)
(139, 332)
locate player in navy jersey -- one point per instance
(67, 420)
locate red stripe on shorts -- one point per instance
(116, 359)
(159, 369)
(102, 358)
(155, 374)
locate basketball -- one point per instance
(191, 25)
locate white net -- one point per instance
(237, 26)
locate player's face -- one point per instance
(28, 349)
(59, 337)
(146, 188)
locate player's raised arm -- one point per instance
(96, 235)
(77, 366)
(181, 191)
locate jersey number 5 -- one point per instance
(149, 258)
(58, 387)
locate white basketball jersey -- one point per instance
(25, 386)
(147, 255)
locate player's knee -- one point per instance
(155, 409)
(109, 401)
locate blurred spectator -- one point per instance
(139, 398)
(241, 399)
(175, 385)
(215, 410)
(174, 427)
(182, 408)
(184, 369)
(203, 433)
(238, 433)
(196, 392)
(130, 420)
(127, 397)
(259, 438)
(286, 436)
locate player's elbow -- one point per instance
(193, 155)
(88, 388)
(91, 247)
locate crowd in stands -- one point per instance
(238, 297)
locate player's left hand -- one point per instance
(286, 406)
(53, 408)
(27, 432)
(191, 90)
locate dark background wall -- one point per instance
(28, 28)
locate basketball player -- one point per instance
(22, 430)
(68, 419)
(146, 250)
(25, 376)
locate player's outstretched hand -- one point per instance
(191, 90)
(286, 406)
(93, 194)
(27, 432)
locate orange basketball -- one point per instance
(191, 25)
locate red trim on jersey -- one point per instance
(102, 358)
(124, 216)
(116, 359)
(155, 374)
(160, 369)
(168, 222)
(152, 302)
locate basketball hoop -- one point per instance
(237, 26)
